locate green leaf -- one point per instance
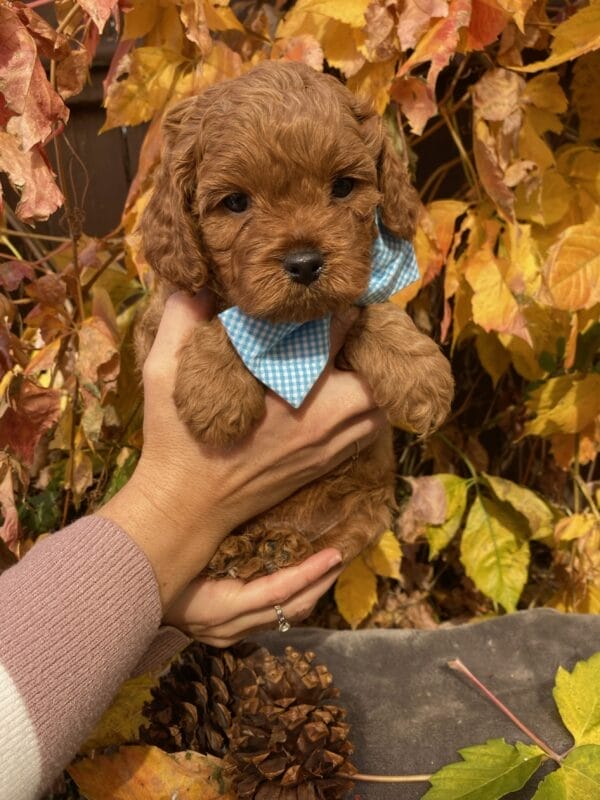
(493, 557)
(439, 536)
(577, 779)
(537, 513)
(488, 771)
(577, 695)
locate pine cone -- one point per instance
(287, 740)
(190, 709)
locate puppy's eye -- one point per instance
(342, 187)
(236, 202)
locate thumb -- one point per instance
(181, 313)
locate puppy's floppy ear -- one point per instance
(399, 207)
(168, 228)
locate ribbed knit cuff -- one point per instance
(77, 614)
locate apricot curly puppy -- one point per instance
(267, 193)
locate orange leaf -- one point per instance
(304, 48)
(417, 101)
(140, 773)
(440, 42)
(487, 23)
(415, 17)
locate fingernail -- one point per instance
(334, 559)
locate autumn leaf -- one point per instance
(384, 556)
(493, 553)
(578, 701)
(578, 776)
(139, 773)
(417, 101)
(99, 10)
(574, 37)
(121, 722)
(142, 87)
(32, 413)
(415, 17)
(566, 404)
(373, 81)
(32, 177)
(439, 42)
(352, 12)
(356, 592)
(440, 535)
(488, 20)
(427, 505)
(9, 532)
(538, 514)
(36, 107)
(572, 269)
(575, 527)
(487, 771)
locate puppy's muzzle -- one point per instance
(303, 266)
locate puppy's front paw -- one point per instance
(409, 377)
(216, 396)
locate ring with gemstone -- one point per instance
(282, 622)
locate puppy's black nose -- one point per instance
(304, 266)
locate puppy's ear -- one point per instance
(168, 228)
(399, 207)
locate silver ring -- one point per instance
(282, 622)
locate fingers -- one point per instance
(295, 608)
(230, 609)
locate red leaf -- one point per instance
(36, 106)
(12, 274)
(33, 412)
(30, 174)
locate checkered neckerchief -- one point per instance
(288, 357)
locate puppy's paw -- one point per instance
(215, 395)
(409, 376)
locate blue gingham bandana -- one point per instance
(288, 357)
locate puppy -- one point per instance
(268, 192)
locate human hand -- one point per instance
(185, 497)
(221, 612)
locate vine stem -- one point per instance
(458, 665)
(386, 778)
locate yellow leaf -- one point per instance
(219, 17)
(342, 46)
(564, 444)
(494, 306)
(546, 204)
(575, 526)
(439, 536)
(140, 18)
(584, 93)
(544, 91)
(491, 551)
(494, 358)
(352, 12)
(572, 269)
(575, 36)
(141, 773)
(517, 9)
(566, 404)
(121, 722)
(356, 592)
(538, 514)
(148, 74)
(373, 81)
(384, 556)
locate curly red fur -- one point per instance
(280, 135)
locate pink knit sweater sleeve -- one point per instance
(76, 616)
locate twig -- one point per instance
(469, 169)
(386, 778)
(458, 665)
(102, 268)
(28, 235)
(585, 492)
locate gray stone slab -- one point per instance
(410, 713)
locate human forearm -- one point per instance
(77, 614)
